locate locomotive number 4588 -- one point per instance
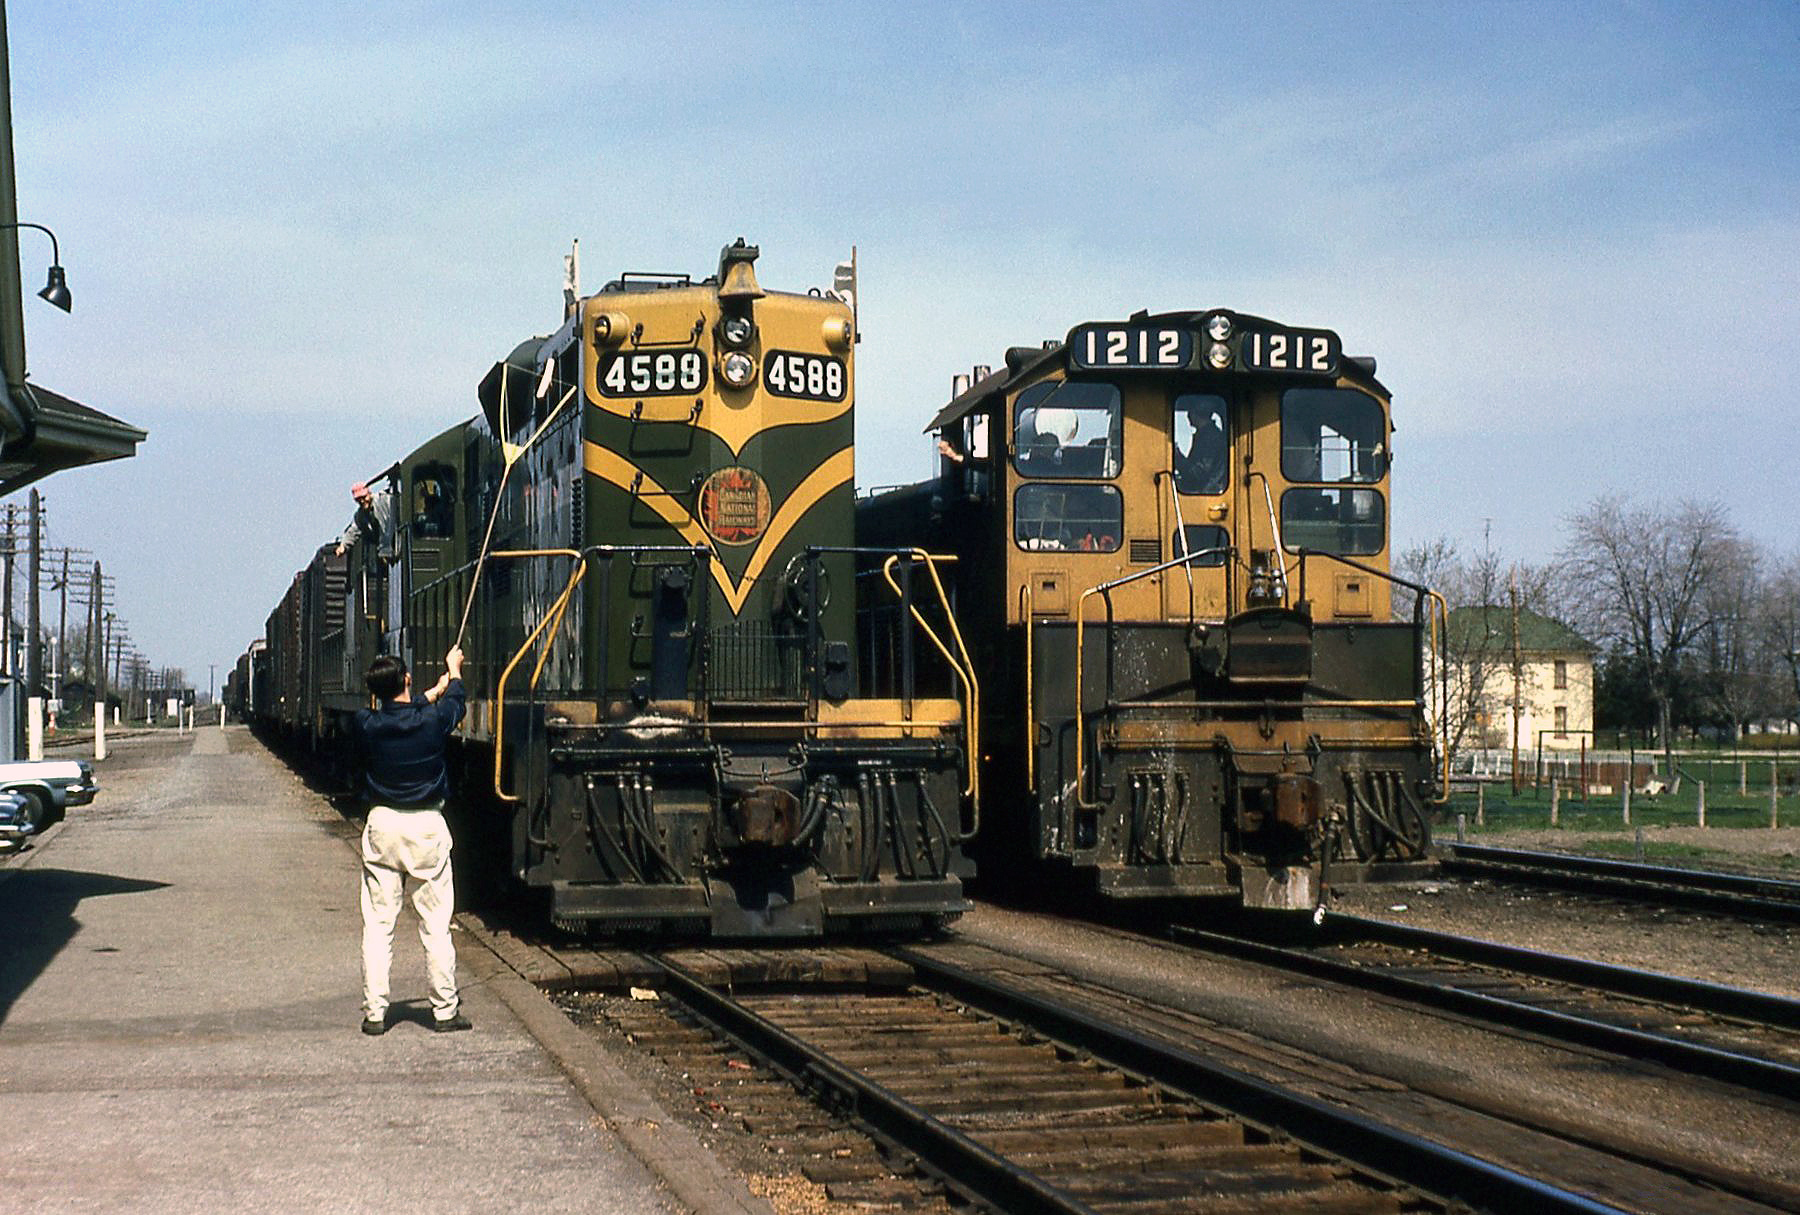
(810, 377)
(653, 372)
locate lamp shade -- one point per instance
(56, 290)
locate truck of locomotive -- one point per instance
(687, 707)
(1199, 676)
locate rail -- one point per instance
(1412, 1159)
(1523, 1011)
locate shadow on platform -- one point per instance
(37, 919)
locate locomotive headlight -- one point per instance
(738, 369)
(1218, 326)
(1219, 355)
(736, 331)
(837, 333)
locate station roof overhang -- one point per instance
(60, 433)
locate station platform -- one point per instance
(180, 1027)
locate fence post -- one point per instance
(1462, 827)
(1555, 801)
(1481, 803)
(1743, 777)
(1625, 801)
(1701, 801)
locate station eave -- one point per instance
(64, 434)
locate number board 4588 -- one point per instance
(809, 377)
(646, 373)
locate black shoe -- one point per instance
(375, 1026)
(450, 1025)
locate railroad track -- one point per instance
(1739, 895)
(1725, 1034)
(1019, 1101)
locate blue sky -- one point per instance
(297, 235)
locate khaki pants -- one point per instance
(396, 845)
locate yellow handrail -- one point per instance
(1439, 626)
(1081, 648)
(1028, 610)
(553, 616)
(965, 670)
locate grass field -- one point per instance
(1663, 829)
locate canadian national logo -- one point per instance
(734, 505)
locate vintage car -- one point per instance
(15, 821)
(49, 787)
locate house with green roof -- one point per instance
(1497, 655)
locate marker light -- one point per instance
(611, 328)
(1219, 355)
(738, 369)
(1218, 326)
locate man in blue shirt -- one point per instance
(405, 780)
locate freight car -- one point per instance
(1199, 675)
(695, 705)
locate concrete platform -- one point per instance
(179, 1027)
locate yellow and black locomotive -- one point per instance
(1199, 676)
(684, 708)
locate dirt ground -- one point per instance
(1738, 849)
(1700, 945)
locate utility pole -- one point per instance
(7, 664)
(34, 656)
(96, 672)
(1518, 704)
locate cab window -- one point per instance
(1349, 522)
(434, 502)
(1207, 539)
(1332, 435)
(1068, 428)
(1068, 518)
(1201, 455)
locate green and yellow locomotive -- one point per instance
(1199, 676)
(684, 715)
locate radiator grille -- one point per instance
(1145, 550)
(745, 663)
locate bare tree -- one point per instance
(1741, 675)
(1481, 663)
(1778, 620)
(1642, 577)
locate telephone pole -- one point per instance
(34, 656)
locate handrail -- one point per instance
(1440, 628)
(1275, 530)
(1105, 590)
(1435, 611)
(554, 614)
(1180, 530)
(1028, 610)
(965, 670)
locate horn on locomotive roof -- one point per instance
(737, 273)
